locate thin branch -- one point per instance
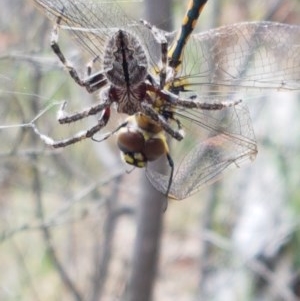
(102, 260)
(37, 190)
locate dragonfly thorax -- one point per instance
(125, 61)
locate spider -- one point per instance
(127, 81)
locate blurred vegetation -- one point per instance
(68, 216)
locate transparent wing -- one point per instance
(217, 65)
(250, 55)
(214, 142)
(93, 22)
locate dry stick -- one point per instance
(102, 261)
(147, 245)
(150, 213)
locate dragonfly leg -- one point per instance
(171, 164)
(108, 135)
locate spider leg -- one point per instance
(90, 65)
(213, 106)
(77, 137)
(169, 115)
(190, 103)
(93, 82)
(150, 112)
(164, 59)
(162, 40)
(56, 49)
(63, 117)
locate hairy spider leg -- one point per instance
(90, 65)
(93, 82)
(162, 40)
(151, 113)
(64, 117)
(190, 103)
(77, 137)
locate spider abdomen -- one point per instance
(125, 62)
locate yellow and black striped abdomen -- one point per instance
(188, 24)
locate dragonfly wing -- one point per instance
(93, 23)
(248, 55)
(214, 142)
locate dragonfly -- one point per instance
(181, 86)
